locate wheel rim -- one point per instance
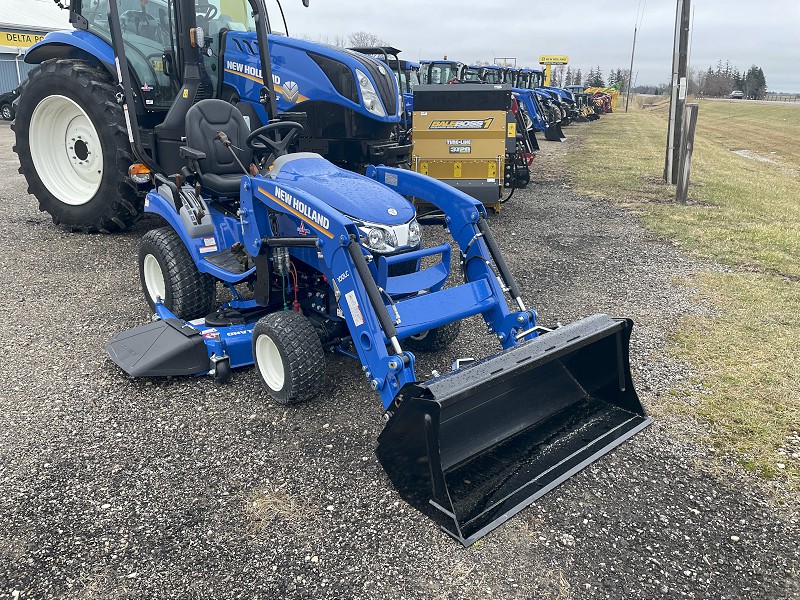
(269, 361)
(154, 278)
(66, 150)
(7, 113)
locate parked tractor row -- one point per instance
(278, 170)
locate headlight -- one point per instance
(413, 233)
(380, 239)
(386, 239)
(376, 239)
(369, 95)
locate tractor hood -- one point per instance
(356, 196)
(306, 72)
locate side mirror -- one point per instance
(305, 3)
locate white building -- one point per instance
(22, 24)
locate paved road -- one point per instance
(120, 488)
(795, 103)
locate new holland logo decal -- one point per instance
(462, 124)
(290, 91)
(300, 209)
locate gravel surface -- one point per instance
(120, 488)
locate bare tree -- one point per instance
(336, 40)
(365, 39)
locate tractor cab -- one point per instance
(512, 77)
(471, 74)
(436, 72)
(409, 76)
(493, 74)
(530, 79)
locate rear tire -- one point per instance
(166, 269)
(288, 356)
(435, 339)
(73, 147)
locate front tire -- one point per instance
(7, 112)
(166, 270)
(288, 356)
(73, 147)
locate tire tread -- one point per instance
(302, 349)
(192, 293)
(122, 206)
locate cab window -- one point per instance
(146, 27)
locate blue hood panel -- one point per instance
(351, 194)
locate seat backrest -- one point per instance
(203, 121)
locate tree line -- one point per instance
(725, 78)
(563, 76)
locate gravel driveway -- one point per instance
(119, 488)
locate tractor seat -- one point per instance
(219, 173)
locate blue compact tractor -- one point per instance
(315, 257)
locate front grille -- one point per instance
(339, 74)
(403, 268)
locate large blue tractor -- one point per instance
(70, 128)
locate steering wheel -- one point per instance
(139, 17)
(207, 11)
(259, 139)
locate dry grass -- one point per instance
(744, 213)
(748, 355)
(274, 505)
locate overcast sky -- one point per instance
(596, 32)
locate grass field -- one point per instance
(744, 213)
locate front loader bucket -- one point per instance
(553, 133)
(475, 446)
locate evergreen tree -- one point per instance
(595, 78)
(755, 84)
(568, 76)
(578, 79)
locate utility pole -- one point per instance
(679, 84)
(630, 73)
